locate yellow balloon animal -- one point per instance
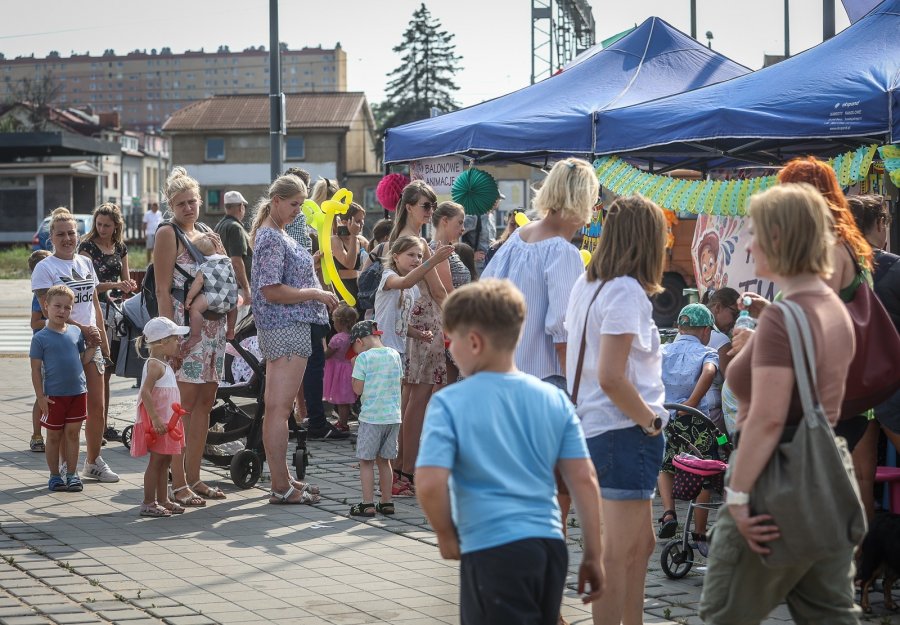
(522, 219)
(585, 257)
(337, 205)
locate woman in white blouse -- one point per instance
(541, 261)
(620, 393)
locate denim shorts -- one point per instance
(627, 462)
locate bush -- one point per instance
(14, 263)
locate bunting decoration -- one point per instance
(891, 156)
(726, 197)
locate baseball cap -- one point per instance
(159, 328)
(695, 316)
(362, 329)
(234, 197)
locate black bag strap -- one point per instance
(196, 254)
(581, 349)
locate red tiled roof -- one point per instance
(251, 112)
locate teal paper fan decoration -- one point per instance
(476, 190)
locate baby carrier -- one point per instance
(219, 284)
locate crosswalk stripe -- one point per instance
(15, 335)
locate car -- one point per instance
(41, 240)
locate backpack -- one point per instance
(367, 284)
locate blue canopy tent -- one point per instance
(555, 117)
(836, 96)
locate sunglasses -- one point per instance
(429, 206)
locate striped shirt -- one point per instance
(545, 272)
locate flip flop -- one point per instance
(285, 497)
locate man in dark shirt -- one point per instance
(236, 240)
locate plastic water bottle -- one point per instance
(744, 320)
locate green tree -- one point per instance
(424, 79)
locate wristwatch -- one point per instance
(736, 498)
(654, 425)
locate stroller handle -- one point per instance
(697, 413)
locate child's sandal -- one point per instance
(363, 509)
(154, 510)
(384, 508)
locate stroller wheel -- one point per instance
(676, 559)
(246, 467)
(126, 436)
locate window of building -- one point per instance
(115, 181)
(214, 201)
(215, 149)
(294, 149)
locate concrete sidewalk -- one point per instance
(88, 558)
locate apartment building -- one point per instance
(145, 88)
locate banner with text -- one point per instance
(438, 173)
(721, 257)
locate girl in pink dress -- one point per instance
(157, 424)
(338, 368)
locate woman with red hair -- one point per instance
(851, 250)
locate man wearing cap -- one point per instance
(236, 240)
(480, 232)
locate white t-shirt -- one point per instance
(621, 308)
(78, 274)
(151, 220)
(392, 309)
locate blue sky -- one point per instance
(494, 37)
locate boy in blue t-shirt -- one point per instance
(484, 474)
(58, 356)
(377, 374)
(689, 367)
(38, 321)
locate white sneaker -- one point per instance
(99, 471)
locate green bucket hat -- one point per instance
(695, 316)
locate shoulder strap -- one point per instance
(581, 349)
(804, 358)
(196, 254)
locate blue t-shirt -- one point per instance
(682, 364)
(36, 307)
(382, 371)
(501, 435)
(60, 353)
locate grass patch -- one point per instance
(14, 262)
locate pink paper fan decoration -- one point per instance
(389, 189)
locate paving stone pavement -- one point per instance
(88, 558)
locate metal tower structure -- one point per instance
(560, 30)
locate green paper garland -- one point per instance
(727, 197)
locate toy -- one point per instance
(337, 205)
(585, 257)
(389, 190)
(177, 413)
(522, 219)
(314, 215)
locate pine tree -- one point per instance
(424, 80)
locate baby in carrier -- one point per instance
(214, 289)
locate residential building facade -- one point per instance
(145, 88)
(224, 143)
